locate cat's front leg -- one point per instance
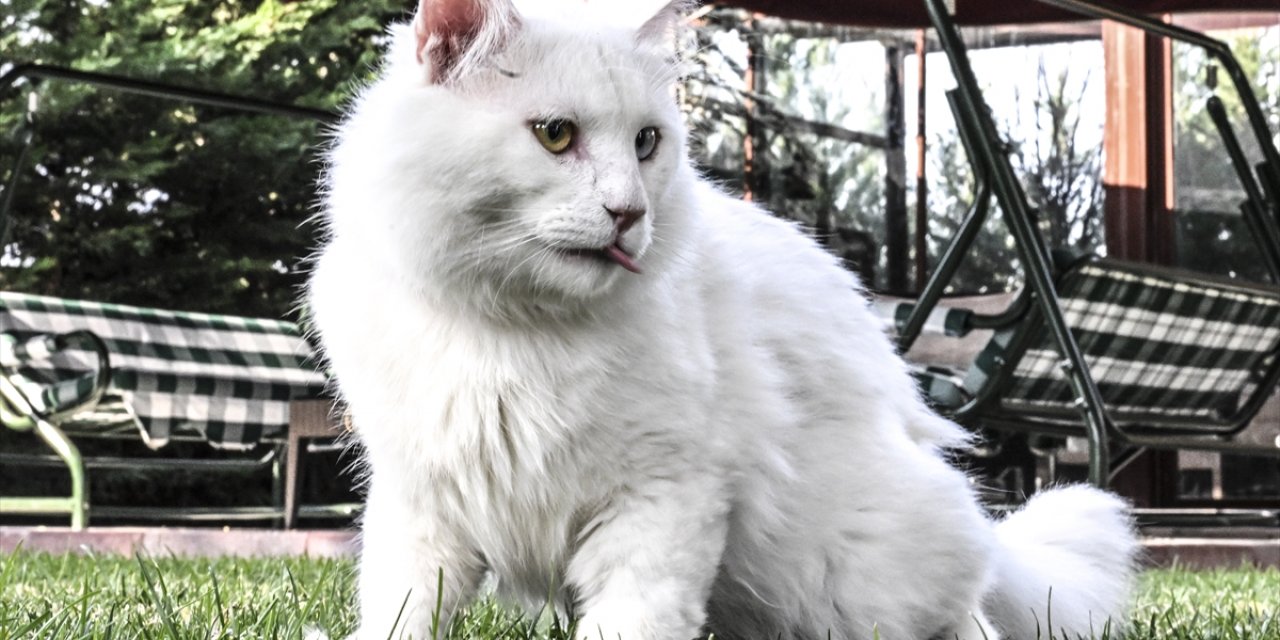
(407, 553)
(645, 567)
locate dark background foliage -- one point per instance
(163, 203)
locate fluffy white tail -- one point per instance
(1066, 565)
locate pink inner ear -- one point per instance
(656, 29)
(453, 24)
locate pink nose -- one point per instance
(624, 217)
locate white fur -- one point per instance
(726, 438)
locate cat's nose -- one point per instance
(624, 217)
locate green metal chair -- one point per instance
(76, 370)
(1127, 355)
(88, 369)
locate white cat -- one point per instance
(579, 368)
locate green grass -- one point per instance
(45, 596)
(1239, 604)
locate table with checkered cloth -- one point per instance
(224, 379)
(1159, 344)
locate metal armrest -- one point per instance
(953, 322)
(949, 321)
(19, 407)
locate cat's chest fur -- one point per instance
(515, 432)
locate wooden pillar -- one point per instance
(897, 231)
(1138, 146)
(1138, 182)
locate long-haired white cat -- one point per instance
(578, 367)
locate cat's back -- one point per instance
(777, 269)
(773, 292)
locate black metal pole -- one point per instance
(959, 246)
(34, 72)
(1265, 230)
(160, 90)
(922, 181)
(1030, 247)
(897, 237)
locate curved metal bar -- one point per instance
(1194, 442)
(135, 86)
(77, 504)
(24, 418)
(1036, 260)
(35, 72)
(959, 246)
(45, 424)
(102, 376)
(12, 400)
(1004, 319)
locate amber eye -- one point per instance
(555, 135)
(646, 142)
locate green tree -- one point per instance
(147, 201)
(1212, 236)
(818, 171)
(1061, 176)
(825, 179)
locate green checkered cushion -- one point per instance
(943, 388)
(1158, 346)
(225, 379)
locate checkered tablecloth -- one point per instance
(224, 379)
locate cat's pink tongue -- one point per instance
(619, 256)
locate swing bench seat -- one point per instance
(71, 370)
(1131, 355)
(1178, 358)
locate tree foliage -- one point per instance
(1212, 236)
(1061, 175)
(163, 203)
(818, 142)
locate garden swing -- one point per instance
(1130, 356)
(83, 369)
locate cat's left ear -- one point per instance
(457, 35)
(656, 30)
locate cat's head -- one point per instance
(515, 157)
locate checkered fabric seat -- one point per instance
(223, 379)
(1165, 348)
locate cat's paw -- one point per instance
(314, 633)
(624, 622)
(612, 623)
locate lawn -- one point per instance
(85, 597)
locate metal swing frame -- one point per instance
(995, 175)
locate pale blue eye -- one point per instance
(646, 142)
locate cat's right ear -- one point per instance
(454, 36)
(658, 29)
